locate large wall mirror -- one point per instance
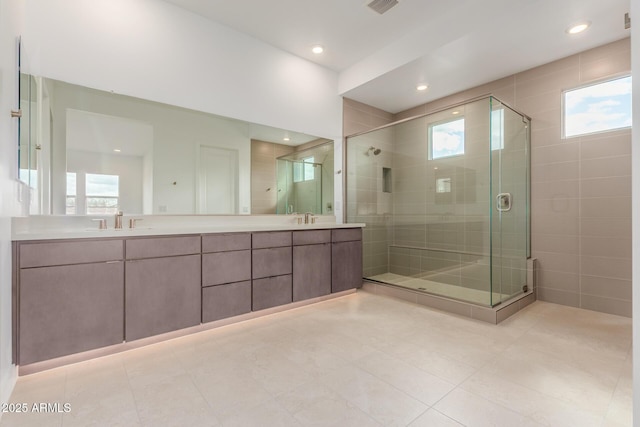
(99, 153)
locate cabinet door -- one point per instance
(271, 262)
(68, 309)
(346, 266)
(311, 271)
(162, 295)
(271, 292)
(222, 301)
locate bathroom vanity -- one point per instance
(76, 294)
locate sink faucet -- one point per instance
(118, 220)
(308, 215)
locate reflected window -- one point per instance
(443, 185)
(304, 170)
(497, 129)
(70, 205)
(102, 192)
(446, 139)
(598, 107)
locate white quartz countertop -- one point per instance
(50, 228)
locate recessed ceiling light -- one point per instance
(286, 138)
(422, 87)
(317, 49)
(455, 112)
(578, 28)
(117, 150)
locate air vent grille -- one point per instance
(381, 6)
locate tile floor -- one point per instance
(360, 360)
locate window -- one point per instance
(102, 194)
(71, 194)
(598, 107)
(446, 139)
(304, 171)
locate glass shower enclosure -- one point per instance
(445, 198)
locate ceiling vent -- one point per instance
(381, 6)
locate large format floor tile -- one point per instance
(360, 360)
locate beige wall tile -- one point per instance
(611, 207)
(571, 299)
(620, 307)
(559, 281)
(616, 143)
(616, 268)
(606, 166)
(606, 227)
(606, 246)
(618, 186)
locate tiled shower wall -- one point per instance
(581, 187)
(264, 192)
(373, 210)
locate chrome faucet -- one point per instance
(118, 220)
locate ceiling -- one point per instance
(451, 45)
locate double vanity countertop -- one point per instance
(78, 227)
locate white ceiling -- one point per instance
(450, 44)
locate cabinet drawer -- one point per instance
(162, 247)
(226, 242)
(271, 262)
(271, 292)
(220, 302)
(226, 267)
(69, 252)
(346, 234)
(271, 239)
(310, 237)
(70, 308)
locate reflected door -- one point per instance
(218, 180)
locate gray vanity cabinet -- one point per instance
(271, 269)
(226, 275)
(311, 264)
(346, 259)
(70, 297)
(162, 284)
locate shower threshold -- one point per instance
(450, 298)
(475, 296)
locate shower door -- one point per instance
(510, 202)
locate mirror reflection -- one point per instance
(106, 153)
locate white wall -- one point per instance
(157, 51)
(11, 14)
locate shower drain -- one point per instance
(422, 289)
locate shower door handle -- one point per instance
(503, 202)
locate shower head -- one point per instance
(375, 151)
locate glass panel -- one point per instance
(510, 193)
(430, 232)
(433, 224)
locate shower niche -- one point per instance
(430, 199)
